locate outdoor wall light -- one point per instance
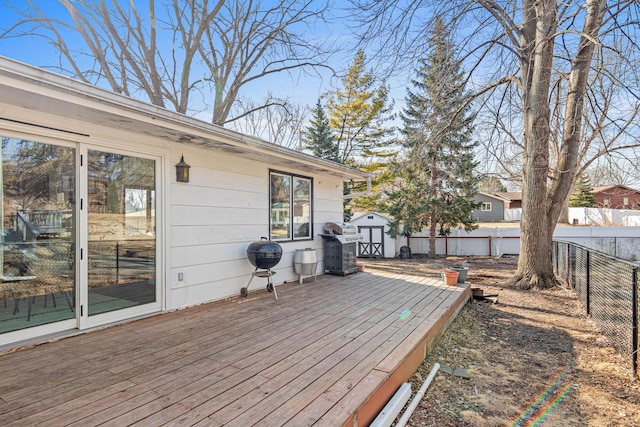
(182, 171)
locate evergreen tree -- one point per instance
(491, 184)
(357, 115)
(318, 137)
(437, 169)
(582, 196)
(381, 183)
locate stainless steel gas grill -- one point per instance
(340, 241)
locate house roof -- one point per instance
(511, 196)
(495, 196)
(26, 87)
(607, 188)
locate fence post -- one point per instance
(568, 264)
(117, 262)
(634, 322)
(588, 284)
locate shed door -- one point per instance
(372, 245)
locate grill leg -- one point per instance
(251, 279)
(275, 293)
(245, 291)
(270, 287)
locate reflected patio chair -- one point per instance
(15, 287)
(50, 275)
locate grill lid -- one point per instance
(264, 253)
(339, 228)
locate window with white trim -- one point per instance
(290, 206)
(607, 201)
(486, 207)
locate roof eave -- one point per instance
(161, 118)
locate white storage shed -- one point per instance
(376, 242)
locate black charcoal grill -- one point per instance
(340, 241)
(263, 255)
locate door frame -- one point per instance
(53, 137)
(84, 320)
(81, 143)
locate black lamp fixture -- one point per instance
(182, 171)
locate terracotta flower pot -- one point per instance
(450, 277)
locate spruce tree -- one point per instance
(437, 166)
(318, 137)
(582, 197)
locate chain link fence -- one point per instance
(608, 289)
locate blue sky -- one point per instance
(299, 87)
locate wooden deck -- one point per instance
(327, 353)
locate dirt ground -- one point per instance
(532, 358)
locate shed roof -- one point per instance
(358, 215)
(38, 90)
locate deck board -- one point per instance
(326, 353)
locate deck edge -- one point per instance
(376, 401)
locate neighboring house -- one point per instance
(491, 207)
(376, 242)
(514, 199)
(616, 197)
(127, 234)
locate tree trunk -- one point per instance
(564, 214)
(546, 191)
(535, 269)
(433, 214)
(432, 234)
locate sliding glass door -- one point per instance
(78, 237)
(37, 267)
(121, 250)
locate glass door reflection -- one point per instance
(121, 231)
(37, 260)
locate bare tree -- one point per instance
(608, 136)
(523, 45)
(172, 51)
(283, 126)
(616, 169)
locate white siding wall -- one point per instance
(214, 217)
(209, 222)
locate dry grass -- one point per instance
(524, 353)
